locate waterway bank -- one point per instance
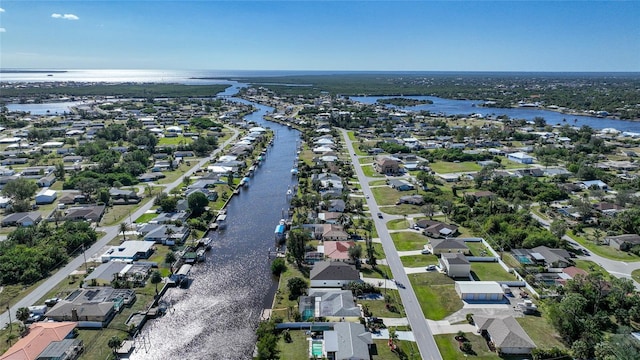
(216, 317)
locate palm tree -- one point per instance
(22, 314)
(156, 279)
(123, 230)
(114, 343)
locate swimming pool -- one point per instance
(523, 259)
(316, 348)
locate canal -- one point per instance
(216, 317)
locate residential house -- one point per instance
(441, 246)
(348, 341)
(506, 334)
(92, 307)
(22, 219)
(165, 218)
(47, 180)
(105, 273)
(520, 157)
(335, 274)
(337, 250)
(437, 229)
(455, 265)
(552, 258)
(609, 209)
(333, 232)
(329, 217)
(623, 242)
(165, 234)
(90, 213)
(333, 305)
(38, 339)
(411, 200)
(401, 185)
(123, 197)
(129, 251)
(534, 172)
(598, 184)
(335, 205)
(386, 165)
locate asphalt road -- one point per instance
(421, 331)
(110, 233)
(617, 268)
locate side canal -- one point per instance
(215, 318)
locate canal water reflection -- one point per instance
(216, 317)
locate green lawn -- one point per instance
(297, 349)
(541, 331)
(398, 224)
(178, 140)
(379, 309)
(407, 350)
(172, 176)
(281, 301)
(477, 248)
(604, 250)
(365, 160)
(592, 267)
(377, 182)
(404, 209)
(115, 214)
(445, 167)
(386, 195)
(145, 218)
(380, 271)
(419, 260)
(370, 171)
(508, 164)
(448, 346)
(635, 274)
(405, 241)
(436, 294)
(490, 272)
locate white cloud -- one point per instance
(3, 30)
(1, 10)
(65, 16)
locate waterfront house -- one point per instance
(337, 250)
(165, 234)
(333, 274)
(92, 307)
(333, 232)
(347, 341)
(332, 305)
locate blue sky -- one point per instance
(322, 35)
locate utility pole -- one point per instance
(10, 323)
(84, 255)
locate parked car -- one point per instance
(380, 216)
(431, 268)
(425, 252)
(52, 301)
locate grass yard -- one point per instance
(115, 214)
(386, 195)
(436, 294)
(592, 268)
(603, 250)
(398, 224)
(377, 182)
(171, 176)
(541, 331)
(145, 218)
(508, 259)
(370, 171)
(281, 302)
(635, 274)
(507, 164)
(365, 160)
(380, 350)
(404, 209)
(380, 271)
(477, 248)
(445, 167)
(419, 260)
(297, 349)
(379, 309)
(406, 241)
(448, 346)
(490, 272)
(178, 140)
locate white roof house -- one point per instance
(52, 144)
(46, 196)
(128, 251)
